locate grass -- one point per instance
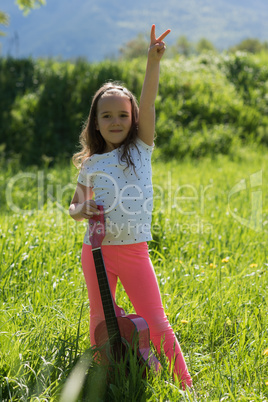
(210, 256)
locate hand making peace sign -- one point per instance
(157, 46)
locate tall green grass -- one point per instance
(211, 266)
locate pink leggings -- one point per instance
(132, 264)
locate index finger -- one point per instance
(153, 38)
(161, 37)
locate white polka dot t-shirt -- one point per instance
(126, 195)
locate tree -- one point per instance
(25, 6)
(183, 46)
(4, 20)
(204, 46)
(135, 47)
(250, 45)
(28, 5)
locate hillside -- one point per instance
(206, 105)
(97, 28)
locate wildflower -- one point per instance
(180, 262)
(228, 321)
(225, 260)
(184, 321)
(253, 265)
(266, 382)
(212, 265)
(265, 352)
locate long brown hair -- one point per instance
(91, 140)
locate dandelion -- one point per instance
(225, 260)
(253, 265)
(266, 382)
(265, 352)
(184, 321)
(212, 265)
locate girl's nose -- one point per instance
(115, 121)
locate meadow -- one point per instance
(210, 228)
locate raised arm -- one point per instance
(150, 87)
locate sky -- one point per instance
(96, 29)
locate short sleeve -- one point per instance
(148, 148)
(84, 177)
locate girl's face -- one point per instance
(114, 120)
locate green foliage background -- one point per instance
(207, 104)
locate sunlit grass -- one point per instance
(211, 268)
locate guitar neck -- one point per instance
(106, 297)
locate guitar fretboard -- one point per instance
(107, 300)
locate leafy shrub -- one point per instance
(206, 104)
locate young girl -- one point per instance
(117, 144)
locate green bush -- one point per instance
(206, 105)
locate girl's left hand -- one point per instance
(157, 46)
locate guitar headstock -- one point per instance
(97, 228)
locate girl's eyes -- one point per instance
(108, 116)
